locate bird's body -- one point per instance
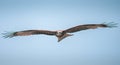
(60, 34)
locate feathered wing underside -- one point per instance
(28, 32)
(89, 26)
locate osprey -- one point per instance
(60, 34)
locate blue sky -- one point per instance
(89, 47)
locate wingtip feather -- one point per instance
(8, 34)
(111, 24)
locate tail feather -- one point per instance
(64, 36)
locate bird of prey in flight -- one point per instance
(60, 34)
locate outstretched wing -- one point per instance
(28, 32)
(89, 26)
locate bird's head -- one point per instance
(59, 32)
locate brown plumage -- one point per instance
(60, 34)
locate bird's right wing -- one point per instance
(28, 32)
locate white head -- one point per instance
(59, 32)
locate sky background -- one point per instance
(89, 47)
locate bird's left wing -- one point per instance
(28, 32)
(89, 26)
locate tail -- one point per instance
(64, 36)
